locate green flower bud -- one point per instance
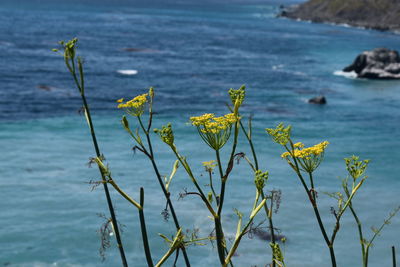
(356, 167)
(166, 134)
(237, 95)
(260, 178)
(210, 197)
(151, 92)
(280, 134)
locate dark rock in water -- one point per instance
(317, 100)
(264, 235)
(375, 14)
(45, 87)
(380, 63)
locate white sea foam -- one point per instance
(350, 75)
(127, 72)
(275, 67)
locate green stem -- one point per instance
(359, 227)
(174, 246)
(316, 211)
(189, 172)
(123, 194)
(320, 223)
(360, 233)
(268, 213)
(220, 240)
(248, 137)
(144, 231)
(241, 233)
(212, 188)
(228, 169)
(98, 154)
(162, 185)
(235, 246)
(223, 182)
(312, 187)
(271, 225)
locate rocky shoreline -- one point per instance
(380, 15)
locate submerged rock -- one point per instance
(45, 87)
(317, 100)
(380, 63)
(266, 236)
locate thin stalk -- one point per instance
(212, 187)
(162, 185)
(378, 231)
(312, 187)
(360, 233)
(316, 212)
(217, 220)
(321, 225)
(225, 177)
(343, 209)
(248, 137)
(189, 172)
(144, 231)
(98, 154)
(267, 211)
(241, 233)
(123, 194)
(236, 244)
(218, 226)
(176, 258)
(394, 256)
(223, 182)
(174, 246)
(271, 225)
(359, 227)
(256, 200)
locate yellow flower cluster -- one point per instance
(208, 123)
(301, 152)
(134, 106)
(210, 165)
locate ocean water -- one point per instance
(192, 53)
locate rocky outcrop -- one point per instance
(380, 63)
(374, 14)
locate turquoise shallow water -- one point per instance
(192, 54)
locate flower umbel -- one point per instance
(309, 157)
(135, 106)
(280, 134)
(215, 131)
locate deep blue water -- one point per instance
(192, 53)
